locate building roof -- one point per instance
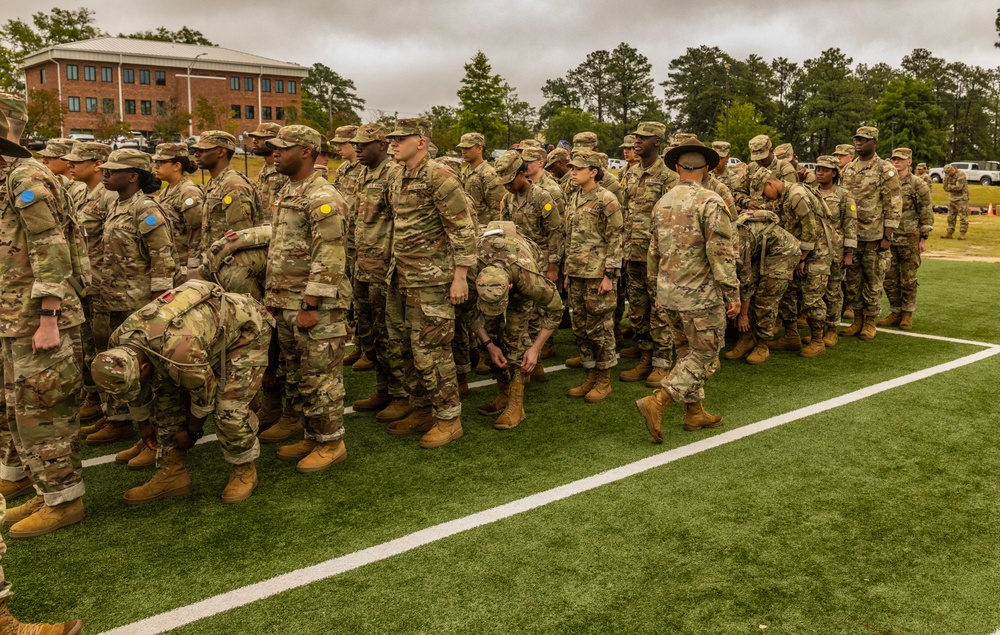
(151, 52)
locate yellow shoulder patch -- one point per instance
(227, 199)
(326, 209)
(548, 207)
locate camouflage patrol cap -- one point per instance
(370, 132)
(650, 129)
(15, 108)
(7, 147)
(584, 141)
(557, 154)
(116, 372)
(722, 148)
(784, 152)
(529, 143)
(628, 141)
(168, 151)
(507, 166)
(128, 159)
(57, 148)
(265, 130)
(902, 153)
(215, 139)
(408, 127)
(88, 151)
(844, 149)
(344, 134)
(867, 132)
(471, 140)
(828, 161)
(493, 288)
(586, 159)
(453, 163)
(679, 138)
(533, 153)
(296, 135)
(921, 165)
(760, 147)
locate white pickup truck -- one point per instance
(982, 172)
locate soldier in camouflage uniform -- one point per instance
(873, 184)
(908, 242)
(480, 180)
(193, 352)
(238, 261)
(231, 201)
(628, 154)
(40, 344)
(749, 194)
(269, 181)
(693, 259)
(557, 164)
(54, 158)
(727, 174)
(433, 248)
(346, 180)
(957, 187)
(844, 153)
(308, 292)
(323, 160)
(512, 291)
(925, 176)
(593, 249)
(182, 201)
(588, 141)
(785, 153)
(843, 214)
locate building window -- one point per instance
(291, 88)
(266, 112)
(90, 73)
(279, 86)
(146, 107)
(74, 104)
(248, 112)
(234, 111)
(279, 113)
(72, 71)
(41, 76)
(128, 76)
(143, 77)
(161, 78)
(234, 83)
(106, 74)
(248, 83)
(109, 106)
(161, 108)
(265, 85)
(91, 104)
(129, 106)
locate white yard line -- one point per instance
(294, 579)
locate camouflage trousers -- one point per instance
(698, 337)
(804, 297)
(640, 303)
(621, 288)
(421, 324)
(834, 296)
(461, 344)
(863, 279)
(373, 336)
(901, 279)
(764, 306)
(510, 333)
(42, 394)
(88, 345)
(662, 336)
(958, 210)
(244, 272)
(593, 322)
(105, 323)
(314, 376)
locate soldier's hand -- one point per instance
(530, 360)
(195, 274)
(732, 309)
(848, 260)
(459, 290)
(553, 273)
(305, 320)
(496, 355)
(800, 269)
(183, 440)
(883, 245)
(922, 245)
(46, 337)
(270, 378)
(743, 323)
(148, 434)
(566, 282)
(605, 287)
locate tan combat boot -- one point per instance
(830, 339)
(760, 354)
(696, 418)
(890, 320)
(631, 352)
(323, 456)
(378, 400)
(906, 320)
(790, 341)
(86, 431)
(296, 452)
(287, 427)
(499, 403)
(483, 367)
(145, 460)
(816, 345)
(848, 313)
(353, 356)
(961, 236)
(16, 489)
(420, 420)
(442, 433)
(868, 329)
(854, 328)
(113, 431)
(538, 373)
(651, 408)
(743, 346)
(123, 457)
(951, 232)
(548, 349)
(463, 384)
(396, 410)
(602, 387)
(91, 406)
(48, 519)
(574, 362)
(802, 322)
(364, 363)
(585, 387)
(171, 479)
(513, 414)
(270, 408)
(10, 626)
(656, 377)
(242, 483)
(641, 370)
(19, 513)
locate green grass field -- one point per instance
(873, 517)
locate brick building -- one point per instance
(137, 80)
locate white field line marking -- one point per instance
(294, 579)
(926, 336)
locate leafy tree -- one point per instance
(183, 35)
(172, 121)
(630, 95)
(755, 81)
(560, 94)
(997, 24)
(569, 121)
(45, 114)
(788, 98)
(835, 105)
(696, 88)
(444, 119)
(214, 115)
(905, 115)
(745, 123)
(481, 100)
(593, 82)
(329, 100)
(518, 116)
(19, 38)
(108, 128)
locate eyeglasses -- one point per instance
(361, 146)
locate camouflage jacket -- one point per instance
(730, 176)
(804, 215)
(307, 254)
(843, 215)
(766, 250)
(373, 231)
(77, 193)
(555, 190)
(92, 214)
(926, 178)
(593, 235)
(566, 183)
(484, 189)
(347, 180)
(238, 261)
(692, 253)
(536, 217)
(269, 183)
(751, 186)
(643, 188)
(722, 190)
(323, 170)
(432, 226)
(183, 203)
(956, 185)
(188, 332)
(231, 203)
(35, 258)
(875, 189)
(139, 256)
(918, 214)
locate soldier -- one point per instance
(729, 175)
(908, 242)
(308, 292)
(843, 215)
(593, 239)
(511, 292)
(873, 184)
(269, 182)
(786, 153)
(692, 257)
(534, 160)
(480, 180)
(925, 176)
(373, 216)
(844, 153)
(40, 344)
(588, 141)
(628, 153)
(54, 158)
(957, 187)
(237, 262)
(323, 160)
(749, 194)
(557, 164)
(433, 247)
(182, 201)
(346, 181)
(532, 211)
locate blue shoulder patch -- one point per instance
(150, 220)
(27, 196)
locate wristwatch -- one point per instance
(48, 312)
(305, 306)
(195, 435)
(610, 274)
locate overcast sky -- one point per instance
(407, 55)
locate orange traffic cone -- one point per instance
(990, 212)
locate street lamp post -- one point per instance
(727, 101)
(190, 115)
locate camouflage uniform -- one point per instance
(182, 203)
(804, 215)
(751, 187)
(765, 264)
(843, 214)
(269, 181)
(917, 222)
(231, 203)
(550, 185)
(481, 185)
(925, 177)
(720, 188)
(957, 186)
(238, 261)
(535, 215)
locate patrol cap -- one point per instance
(296, 135)
(922, 165)
(691, 154)
(408, 127)
(722, 148)
(15, 108)
(493, 288)
(867, 132)
(7, 147)
(88, 151)
(529, 143)
(471, 140)
(650, 129)
(828, 161)
(453, 163)
(760, 147)
(533, 153)
(507, 166)
(628, 141)
(370, 132)
(584, 141)
(557, 154)
(216, 139)
(784, 152)
(844, 149)
(168, 151)
(265, 130)
(344, 134)
(116, 372)
(128, 159)
(902, 153)
(57, 148)
(586, 159)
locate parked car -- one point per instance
(137, 141)
(809, 166)
(734, 161)
(81, 137)
(982, 172)
(35, 144)
(617, 164)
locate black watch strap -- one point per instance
(305, 306)
(48, 312)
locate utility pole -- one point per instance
(727, 100)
